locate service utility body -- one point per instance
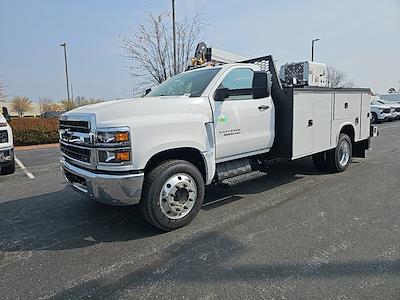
(202, 127)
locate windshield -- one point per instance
(191, 84)
(386, 102)
(376, 102)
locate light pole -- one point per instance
(312, 48)
(174, 34)
(66, 72)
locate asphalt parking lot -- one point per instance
(293, 233)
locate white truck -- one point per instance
(380, 112)
(7, 162)
(201, 127)
(394, 108)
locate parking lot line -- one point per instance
(23, 168)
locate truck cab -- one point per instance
(7, 162)
(204, 126)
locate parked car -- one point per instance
(7, 162)
(51, 114)
(380, 112)
(395, 107)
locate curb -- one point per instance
(35, 147)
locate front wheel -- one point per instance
(339, 158)
(8, 169)
(173, 193)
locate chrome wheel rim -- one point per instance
(178, 196)
(344, 153)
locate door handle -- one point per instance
(310, 123)
(263, 107)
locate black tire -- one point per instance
(8, 169)
(333, 157)
(153, 186)
(374, 118)
(319, 161)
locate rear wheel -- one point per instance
(173, 193)
(8, 169)
(339, 158)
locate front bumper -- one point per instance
(110, 189)
(6, 155)
(384, 117)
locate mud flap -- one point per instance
(360, 147)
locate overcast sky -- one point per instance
(361, 37)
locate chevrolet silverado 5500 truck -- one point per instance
(7, 162)
(201, 127)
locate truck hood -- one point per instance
(383, 106)
(131, 111)
(394, 104)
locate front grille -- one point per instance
(386, 110)
(74, 137)
(3, 136)
(77, 153)
(77, 126)
(397, 109)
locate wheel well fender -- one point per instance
(191, 155)
(349, 130)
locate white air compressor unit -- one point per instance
(304, 73)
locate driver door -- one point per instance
(242, 124)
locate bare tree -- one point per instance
(83, 101)
(46, 104)
(68, 105)
(151, 46)
(80, 101)
(21, 105)
(337, 78)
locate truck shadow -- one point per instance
(66, 220)
(277, 175)
(222, 264)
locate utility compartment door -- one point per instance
(365, 116)
(322, 122)
(346, 105)
(312, 123)
(303, 130)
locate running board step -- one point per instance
(242, 178)
(234, 168)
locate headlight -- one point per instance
(113, 136)
(114, 156)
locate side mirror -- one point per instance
(261, 84)
(147, 91)
(6, 114)
(221, 94)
